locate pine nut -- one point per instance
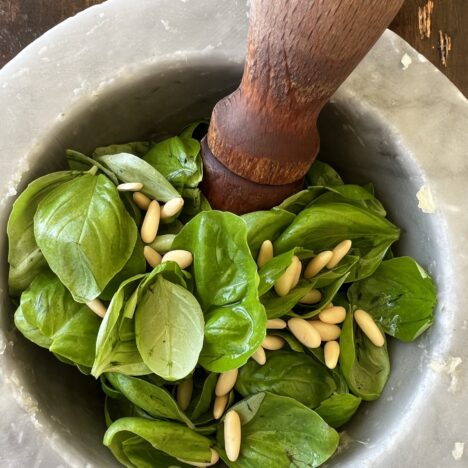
(97, 307)
(141, 200)
(151, 256)
(304, 332)
(150, 225)
(331, 353)
(298, 271)
(183, 258)
(369, 327)
(172, 207)
(339, 252)
(326, 331)
(259, 356)
(184, 393)
(219, 406)
(226, 382)
(130, 187)
(273, 343)
(213, 461)
(284, 282)
(316, 265)
(333, 315)
(265, 254)
(312, 297)
(276, 324)
(232, 435)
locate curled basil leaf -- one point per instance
(338, 409)
(321, 173)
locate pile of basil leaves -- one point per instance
(73, 238)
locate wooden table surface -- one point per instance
(436, 28)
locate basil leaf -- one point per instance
(354, 195)
(202, 403)
(50, 317)
(169, 329)
(265, 225)
(323, 174)
(400, 296)
(81, 162)
(280, 431)
(300, 200)
(226, 282)
(287, 373)
(138, 148)
(338, 409)
(178, 159)
(130, 168)
(154, 400)
(171, 438)
(365, 366)
(195, 202)
(323, 226)
(85, 234)
(290, 340)
(24, 256)
(114, 354)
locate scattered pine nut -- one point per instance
(273, 343)
(326, 331)
(312, 297)
(369, 327)
(172, 207)
(219, 406)
(331, 354)
(265, 254)
(316, 265)
(284, 283)
(259, 356)
(184, 393)
(298, 271)
(232, 435)
(304, 332)
(97, 307)
(130, 187)
(276, 324)
(150, 225)
(151, 256)
(226, 382)
(333, 315)
(183, 258)
(141, 200)
(213, 461)
(339, 252)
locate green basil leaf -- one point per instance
(338, 409)
(85, 234)
(178, 159)
(322, 226)
(138, 148)
(365, 366)
(279, 431)
(112, 353)
(56, 321)
(203, 402)
(194, 202)
(323, 174)
(163, 243)
(154, 400)
(290, 340)
(116, 408)
(287, 373)
(24, 256)
(130, 168)
(400, 296)
(171, 438)
(81, 162)
(169, 329)
(265, 225)
(226, 280)
(300, 200)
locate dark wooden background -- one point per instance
(436, 28)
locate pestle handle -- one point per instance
(298, 54)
